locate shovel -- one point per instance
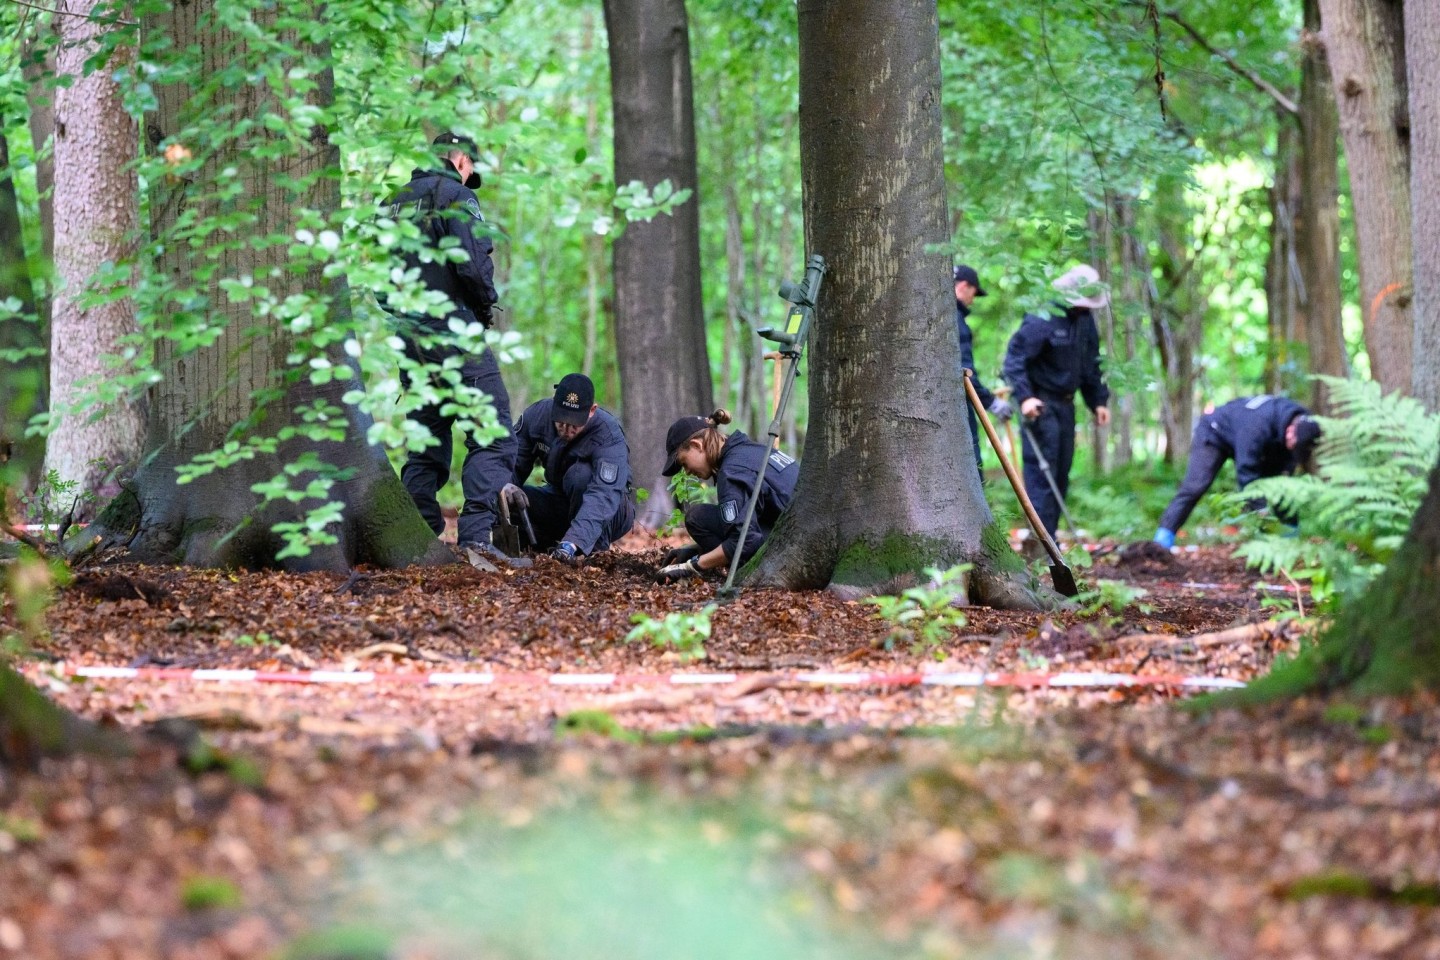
(1060, 574)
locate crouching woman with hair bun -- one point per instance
(697, 446)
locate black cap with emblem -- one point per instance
(455, 141)
(574, 396)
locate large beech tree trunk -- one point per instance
(95, 220)
(887, 481)
(208, 392)
(1317, 230)
(659, 316)
(1422, 45)
(1365, 42)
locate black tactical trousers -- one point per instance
(485, 470)
(552, 511)
(1207, 455)
(708, 528)
(1054, 430)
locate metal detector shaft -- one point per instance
(792, 346)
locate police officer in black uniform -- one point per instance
(587, 501)
(967, 288)
(1265, 435)
(441, 201)
(1049, 358)
(696, 445)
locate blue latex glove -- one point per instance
(1166, 538)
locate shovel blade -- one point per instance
(1064, 580)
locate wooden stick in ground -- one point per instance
(1015, 482)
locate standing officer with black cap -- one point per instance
(442, 203)
(588, 500)
(1266, 436)
(1049, 358)
(967, 288)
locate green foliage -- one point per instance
(1371, 472)
(685, 633)
(597, 722)
(203, 892)
(925, 616)
(350, 943)
(30, 582)
(685, 490)
(54, 505)
(21, 829)
(261, 639)
(1114, 596)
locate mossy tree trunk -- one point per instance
(888, 483)
(214, 393)
(659, 314)
(32, 727)
(1389, 640)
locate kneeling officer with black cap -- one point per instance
(696, 445)
(588, 500)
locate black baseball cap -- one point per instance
(680, 431)
(574, 396)
(968, 274)
(1307, 432)
(455, 141)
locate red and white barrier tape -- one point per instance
(818, 679)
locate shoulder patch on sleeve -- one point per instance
(730, 510)
(609, 471)
(472, 207)
(780, 460)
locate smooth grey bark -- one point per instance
(95, 219)
(887, 479)
(659, 316)
(22, 388)
(207, 393)
(1317, 230)
(1422, 46)
(1365, 42)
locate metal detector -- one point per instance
(791, 344)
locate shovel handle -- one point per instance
(1011, 475)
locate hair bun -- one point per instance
(720, 416)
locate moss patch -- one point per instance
(868, 563)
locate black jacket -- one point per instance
(1252, 431)
(967, 354)
(735, 475)
(600, 447)
(443, 206)
(1051, 357)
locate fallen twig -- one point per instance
(1248, 633)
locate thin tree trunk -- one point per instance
(659, 312)
(1283, 282)
(887, 483)
(1365, 42)
(1422, 44)
(210, 394)
(1097, 221)
(1317, 236)
(95, 223)
(22, 389)
(39, 71)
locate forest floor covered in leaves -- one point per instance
(762, 817)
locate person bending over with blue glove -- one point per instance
(1266, 436)
(588, 500)
(696, 445)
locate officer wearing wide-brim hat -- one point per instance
(587, 501)
(441, 201)
(1050, 357)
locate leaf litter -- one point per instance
(763, 818)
